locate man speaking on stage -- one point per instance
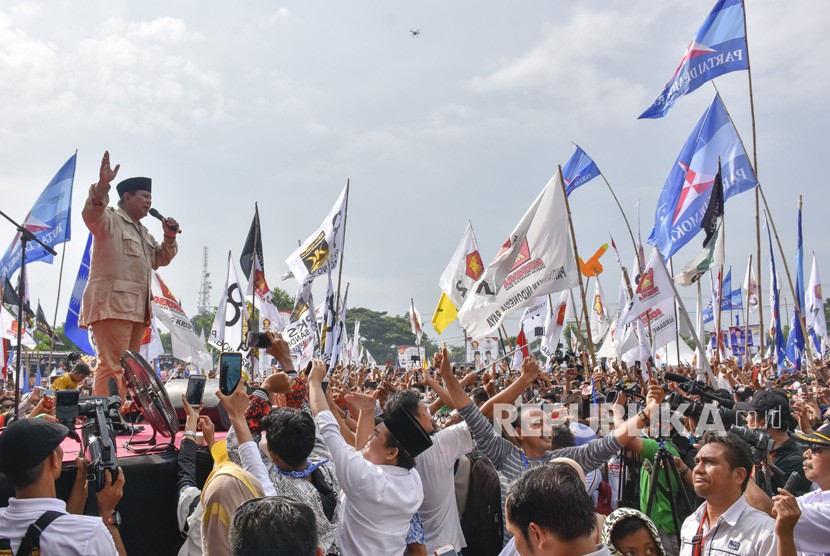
(116, 301)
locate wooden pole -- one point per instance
(676, 320)
(757, 188)
(57, 300)
(746, 313)
(578, 272)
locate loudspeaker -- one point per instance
(176, 388)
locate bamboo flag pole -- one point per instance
(578, 272)
(755, 168)
(57, 301)
(676, 320)
(746, 313)
(685, 315)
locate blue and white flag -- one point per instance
(49, 221)
(579, 170)
(726, 292)
(718, 47)
(778, 342)
(708, 313)
(79, 337)
(814, 310)
(795, 339)
(685, 194)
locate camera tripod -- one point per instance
(664, 465)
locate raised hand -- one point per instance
(107, 174)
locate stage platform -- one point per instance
(148, 507)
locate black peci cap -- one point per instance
(407, 431)
(131, 185)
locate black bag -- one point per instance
(481, 520)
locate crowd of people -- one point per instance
(544, 459)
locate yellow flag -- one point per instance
(445, 313)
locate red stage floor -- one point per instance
(71, 447)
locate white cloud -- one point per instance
(126, 77)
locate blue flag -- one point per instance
(718, 47)
(736, 301)
(726, 292)
(579, 170)
(79, 337)
(49, 221)
(795, 339)
(685, 194)
(38, 376)
(778, 340)
(708, 313)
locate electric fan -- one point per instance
(152, 401)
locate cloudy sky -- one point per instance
(227, 104)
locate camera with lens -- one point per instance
(698, 388)
(96, 431)
(758, 439)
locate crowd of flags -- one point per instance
(535, 268)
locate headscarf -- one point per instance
(615, 517)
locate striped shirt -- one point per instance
(510, 461)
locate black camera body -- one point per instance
(758, 439)
(96, 431)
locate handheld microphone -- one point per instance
(156, 214)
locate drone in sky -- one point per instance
(415, 33)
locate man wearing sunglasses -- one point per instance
(812, 529)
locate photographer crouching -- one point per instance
(36, 521)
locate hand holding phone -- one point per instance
(230, 371)
(195, 389)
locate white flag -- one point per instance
(329, 322)
(415, 322)
(151, 342)
(642, 352)
(339, 333)
(321, 251)
(654, 286)
(302, 324)
(8, 329)
(751, 287)
(536, 259)
(230, 323)
(662, 321)
(186, 345)
(464, 268)
(370, 360)
(534, 316)
(600, 320)
(554, 321)
(354, 355)
(814, 303)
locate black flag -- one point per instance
(42, 325)
(252, 243)
(11, 297)
(714, 209)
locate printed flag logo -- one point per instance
(474, 266)
(718, 47)
(522, 257)
(646, 282)
(685, 196)
(316, 255)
